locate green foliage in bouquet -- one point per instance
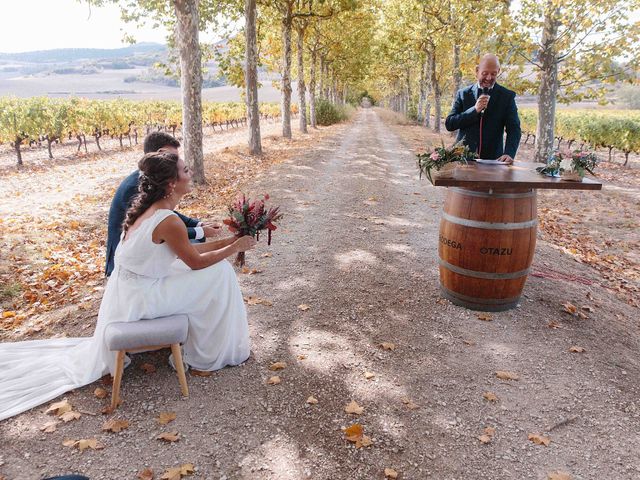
(579, 161)
(442, 156)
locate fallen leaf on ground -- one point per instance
(312, 400)
(487, 436)
(277, 366)
(553, 325)
(178, 472)
(576, 349)
(266, 255)
(250, 271)
(559, 476)
(275, 380)
(570, 308)
(369, 375)
(301, 357)
(68, 416)
(355, 434)
(354, 408)
(409, 404)
(587, 308)
(539, 439)
(146, 474)
(83, 444)
(490, 396)
(199, 373)
(390, 473)
(169, 436)
(468, 342)
(115, 425)
(59, 408)
(251, 300)
(504, 375)
(107, 380)
(388, 346)
(100, 393)
(485, 317)
(8, 314)
(148, 367)
(304, 307)
(49, 427)
(166, 417)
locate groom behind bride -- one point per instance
(197, 230)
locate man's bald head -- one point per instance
(487, 70)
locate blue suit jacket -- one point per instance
(501, 115)
(119, 205)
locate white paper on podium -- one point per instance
(490, 162)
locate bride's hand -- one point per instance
(245, 243)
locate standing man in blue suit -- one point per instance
(129, 188)
(483, 112)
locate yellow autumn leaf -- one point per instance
(71, 415)
(146, 474)
(369, 375)
(388, 346)
(304, 307)
(169, 436)
(390, 473)
(275, 380)
(115, 425)
(8, 314)
(312, 400)
(504, 375)
(484, 439)
(490, 396)
(576, 349)
(559, 476)
(49, 427)
(485, 317)
(166, 417)
(539, 439)
(354, 408)
(354, 432)
(100, 393)
(58, 408)
(277, 366)
(570, 308)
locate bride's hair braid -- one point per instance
(157, 170)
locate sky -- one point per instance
(46, 24)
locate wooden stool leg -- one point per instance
(117, 380)
(177, 361)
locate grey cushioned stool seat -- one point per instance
(145, 335)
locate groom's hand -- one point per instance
(212, 230)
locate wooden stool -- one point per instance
(146, 335)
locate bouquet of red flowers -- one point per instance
(248, 217)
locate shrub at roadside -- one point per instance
(328, 113)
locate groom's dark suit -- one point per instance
(119, 205)
(501, 115)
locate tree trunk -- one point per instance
(312, 88)
(49, 142)
(457, 72)
(251, 78)
(422, 88)
(187, 22)
(548, 85)
(437, 94)
(302, 90)
(16, 146)
(321, 86)
(286, 70)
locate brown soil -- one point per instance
(358, 245)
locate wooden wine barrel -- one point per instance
(486, 246)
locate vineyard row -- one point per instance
(47, 120)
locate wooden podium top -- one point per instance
(518, 175)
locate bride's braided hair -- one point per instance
(157, 170)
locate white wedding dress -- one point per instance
(148, 282)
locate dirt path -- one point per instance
(359, 247)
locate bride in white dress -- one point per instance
(157, 273)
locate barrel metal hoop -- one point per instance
(485, 275)
(475, 303)
(489, 225)
(475, 193)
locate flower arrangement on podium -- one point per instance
(570, 166)
(441, 162)
(249, 217)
